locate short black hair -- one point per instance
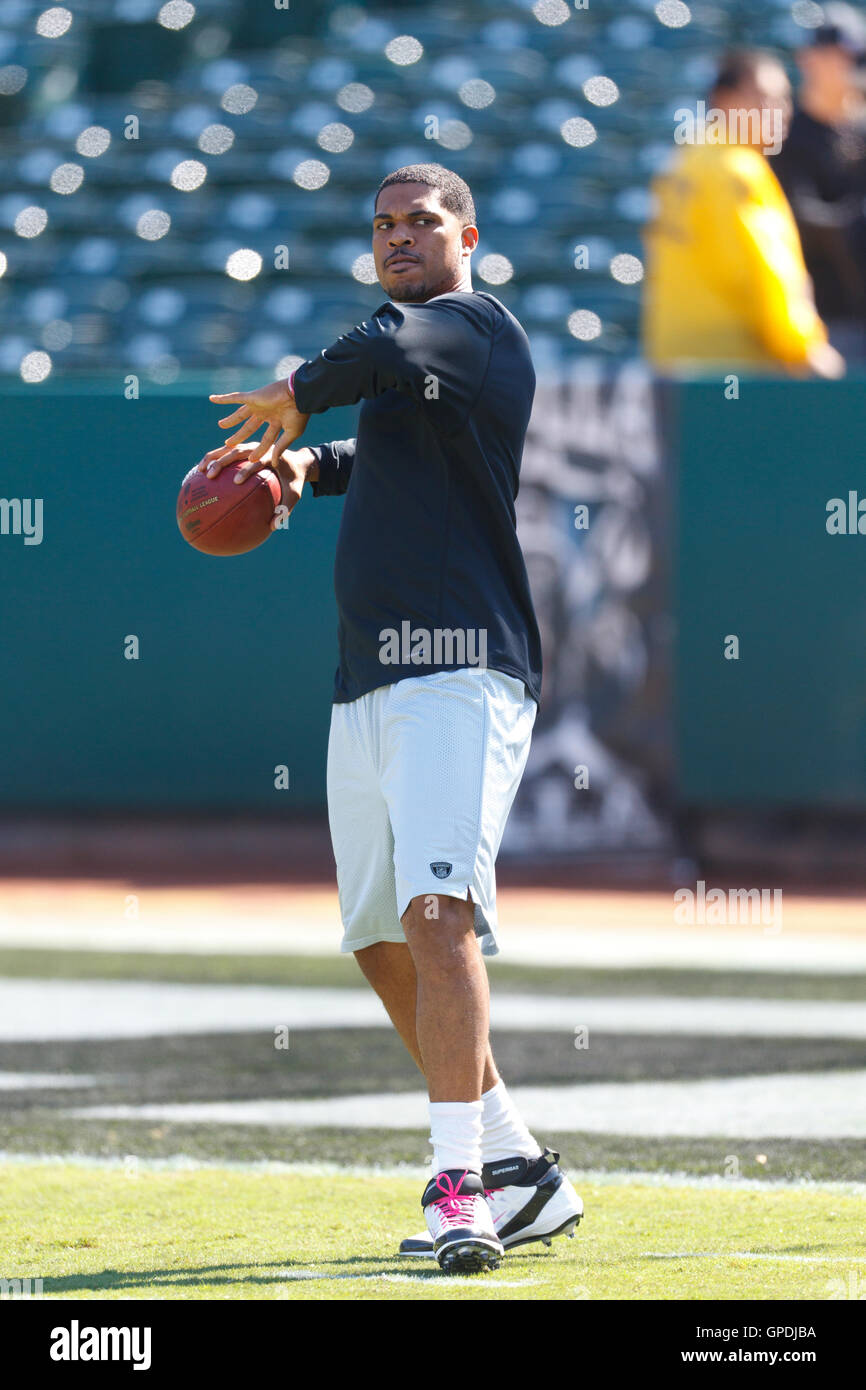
(454, 192)
(738, 65)
(843, 27)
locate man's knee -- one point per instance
(384, 962)
(439, 910)
(384, 951)
(440, 931)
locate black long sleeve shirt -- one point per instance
(428, 533)
(822, 169)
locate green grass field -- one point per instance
(341, 972)
(134, 1205)
(211, 1233)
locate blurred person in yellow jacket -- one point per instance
(727, 285)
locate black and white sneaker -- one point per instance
(528, 1200)
(460, 1231)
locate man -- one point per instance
(423, 768)
(822, 168)
(726, 282)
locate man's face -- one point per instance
(420, 248)
(773, 95)
(767, 99)
(828, 67)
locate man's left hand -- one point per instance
(269, 405)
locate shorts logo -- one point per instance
(441, 869)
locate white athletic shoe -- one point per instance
(528, 1199)
(460, 1230)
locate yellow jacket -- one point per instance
(726, 281)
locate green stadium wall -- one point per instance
(236, 662)
(237, 656)
(784, 725)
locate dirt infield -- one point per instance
(126, 913)
(107, 900)
(271, 887)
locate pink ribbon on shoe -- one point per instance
(453, 1207)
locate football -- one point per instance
(221, 517)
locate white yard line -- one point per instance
(751, 948)
(32, 1010)
(793, 1105)
(55, 1009)
(433, 1278)
(241, 936)
(587, 1178)
(752, 1255)
(44, 1080)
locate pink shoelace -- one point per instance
(454, 1209)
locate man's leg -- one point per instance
(390, 969)
(451, 1027)
(452, 1020)
(436, 993)
(506, 1142)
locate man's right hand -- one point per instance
(293, 469)
(826, 362)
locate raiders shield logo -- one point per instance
(441, 869)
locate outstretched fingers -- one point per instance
(285, 440)
(244, 433)
(243, 413)
(265, 443)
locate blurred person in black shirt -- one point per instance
(822, 169)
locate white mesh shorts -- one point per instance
(421, 778)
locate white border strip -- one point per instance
(417, 1172)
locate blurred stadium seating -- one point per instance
(260, 127)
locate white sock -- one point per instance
(505, 1135)
(455, 1132)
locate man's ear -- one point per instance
(469, 238)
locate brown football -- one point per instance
(221, 517)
